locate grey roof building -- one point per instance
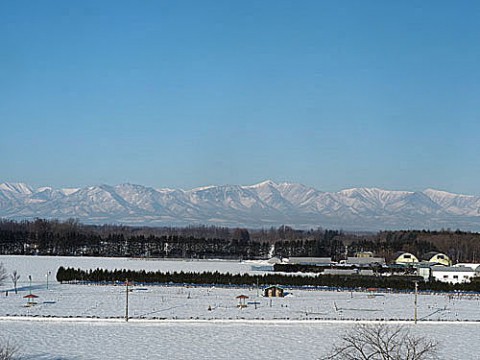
(317, 261)
(354, 260)
(453, 274)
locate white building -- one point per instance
(453, 274)
(424, 270)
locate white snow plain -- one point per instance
(184, 322)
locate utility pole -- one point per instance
(416, 302)
(126, 301)
(48, 274)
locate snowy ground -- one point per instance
(179, 322)
(39, 266)
(206, 303)
(79, 340)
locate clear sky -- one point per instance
(331, 94)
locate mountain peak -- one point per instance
(374, 189)
(264, 183)
(20, 188)
(69, 191)
(430, 192)
(201, 188)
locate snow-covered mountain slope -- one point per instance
(260, 205)
(455, 204)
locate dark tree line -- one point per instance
(47, 237)
(53, 237)
(102, 276)
(458, 245)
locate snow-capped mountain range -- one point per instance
(261, 205)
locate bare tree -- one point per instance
(383, 342)
(8, 351)
(15, 277)
(3, 274)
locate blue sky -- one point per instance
(332, 94)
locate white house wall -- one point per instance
(453, 277)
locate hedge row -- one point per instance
(71, 275)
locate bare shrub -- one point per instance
(15, 277)
(3, 274)
(9, 351)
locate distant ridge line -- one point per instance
(259, 205)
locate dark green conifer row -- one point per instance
(404, 283)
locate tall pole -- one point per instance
(126, 302)
(416, 302)
(30, 278)
(48, 274)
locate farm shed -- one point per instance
(273, 291)
(437, 258)
(405, 258)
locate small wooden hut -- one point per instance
(273, 291)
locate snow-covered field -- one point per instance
(39, 266)
(75, 340)
(179, 322)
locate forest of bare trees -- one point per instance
(53, 237)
